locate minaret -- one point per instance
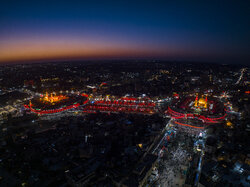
(196, 101)
(46, 96)
(51, 98)
(206, 103)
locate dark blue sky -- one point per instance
(180, 30)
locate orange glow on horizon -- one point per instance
(64, 49)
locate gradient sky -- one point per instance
(88, 29)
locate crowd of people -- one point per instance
(174, 163)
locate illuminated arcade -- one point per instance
(197, 111)
(125, 104)
(51, 103)
(192, 111)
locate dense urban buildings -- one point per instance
(132, 123)
(124, 93)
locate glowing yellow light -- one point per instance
(53, 98)
(200, 102)
(229, 124)
(24, 184)
(220, 158)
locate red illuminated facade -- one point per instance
(125, 104)
(39, 106)
(204, 119)
(196, 113)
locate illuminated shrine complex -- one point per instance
(52, 103)
(197, 111)
(194, 111)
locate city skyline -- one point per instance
(133, 93)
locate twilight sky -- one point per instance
(89, 29)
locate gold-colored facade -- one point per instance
(53, 98)
(201, 103)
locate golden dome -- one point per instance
(202, 101)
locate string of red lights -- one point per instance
(178, 115)
(187, 125)
(52, 111)
(125, 104)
